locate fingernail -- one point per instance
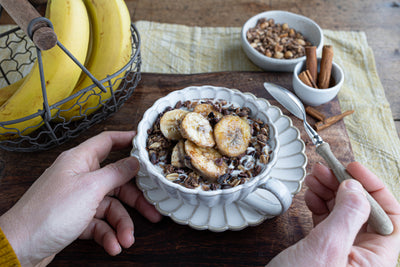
(319, 163)
(354, 185)
(132, 164)
(119, 249)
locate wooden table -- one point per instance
(167, 243)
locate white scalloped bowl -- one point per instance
(198, 196)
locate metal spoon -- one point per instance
(378, 219)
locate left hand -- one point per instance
(75, 197)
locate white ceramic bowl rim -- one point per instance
(143, 154)
(270, 13)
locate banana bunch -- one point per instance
(8, 91)
(111, 49)
(71, 24)
(97, 33)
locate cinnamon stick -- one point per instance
(315, 113)
(306, 78)
(332, 120)
(314, 84)
(312, 62)
(325, 67)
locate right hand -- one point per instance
(341, 236)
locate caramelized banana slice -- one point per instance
(197, 129)
(169, 123)
(232, 135)
(178, 155)
(206, 109)
(205, 161)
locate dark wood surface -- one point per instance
(167, 243)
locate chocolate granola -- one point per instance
(240, 169)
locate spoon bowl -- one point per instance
(295, 106)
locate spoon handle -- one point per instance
(378, 219)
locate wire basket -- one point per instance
(20, 53)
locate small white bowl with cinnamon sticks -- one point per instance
(317, 81)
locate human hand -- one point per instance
(341, 236)
(76, 197)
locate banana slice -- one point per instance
(169, 123)
(204, 160)
(206, 109)
(197, 129)
(232, 135)
(178, 155)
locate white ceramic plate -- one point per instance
(289, 169)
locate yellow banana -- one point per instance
(206, 109)
(197, 129)
(170, 123)
(232, 135)
(71, 24)
(204, 160)
(7, 91)
(110, 50)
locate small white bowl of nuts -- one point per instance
(276, 40)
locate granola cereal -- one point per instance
(185, 163)
(277, 40)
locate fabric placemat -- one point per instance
(178, 49)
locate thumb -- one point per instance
(116, 174)
(339, 230)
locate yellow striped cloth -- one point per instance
(179, 49)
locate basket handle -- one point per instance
(23, 13)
